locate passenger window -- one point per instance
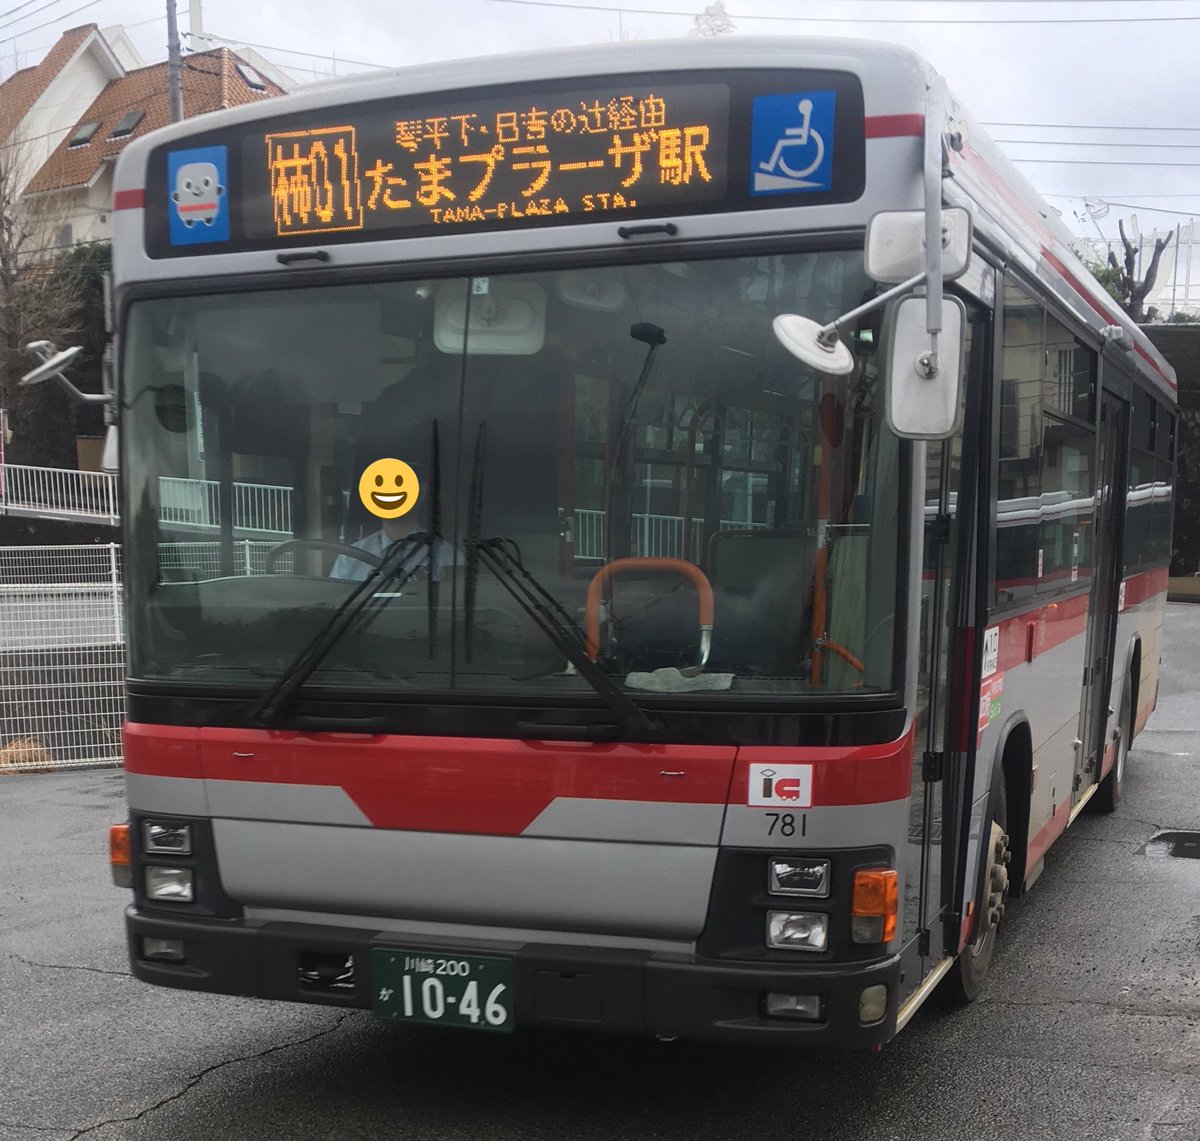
(1046, 445)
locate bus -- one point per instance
(656, 539)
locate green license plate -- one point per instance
(446, 989)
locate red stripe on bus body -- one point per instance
(1144, 586)
(129, 199)
(1049, 832)
(893, 126)
(495, 786)
(851, 775)
(439, 784)
(1073, 281)
(1036, 227)
(1058, 622)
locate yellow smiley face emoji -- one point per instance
(389, 488)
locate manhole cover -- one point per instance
(1185, 845)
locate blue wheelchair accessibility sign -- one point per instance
(791, 143)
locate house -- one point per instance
(39, 105)
(66, 120)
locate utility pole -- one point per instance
(199, 42)
(174, 65)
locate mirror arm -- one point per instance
(828, 334)
(934, 168)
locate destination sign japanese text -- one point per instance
(589, 151)
(541, 154)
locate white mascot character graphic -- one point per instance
(197, 193)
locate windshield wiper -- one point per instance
(302, 666)
(503, 558)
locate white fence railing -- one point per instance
(63, 493)
(62, 657)
(196, 503)
(202, 559)
(58, 493)
(653, 536)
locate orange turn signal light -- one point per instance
(118, 845)
(877, 896)
(120, 857)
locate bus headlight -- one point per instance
(164, 836)
(797, 930)
(169, 885)
(790, 876)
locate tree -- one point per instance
(44, 295)
(713, 21)
(1132, 293)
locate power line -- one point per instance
(10, 23)
(1152, 209)
(292, 51)
(57, 19)
(1104, 162)
(14, 11)
(628, 11)
(1131, 194)
(1106, 145)
(1086, 126)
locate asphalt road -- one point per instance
(1089, 1027)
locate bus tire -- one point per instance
(965, 979)
(1108, 795)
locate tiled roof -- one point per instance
(20, 91)
(211, 80)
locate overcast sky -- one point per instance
(1052, 78)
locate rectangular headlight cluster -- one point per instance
(169, 885)
(788, 875)
(797, 930)
(160, 837)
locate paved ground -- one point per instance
(1089, 1027)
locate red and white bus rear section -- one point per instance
(1030, 705)
(627, 888)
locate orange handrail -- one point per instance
(690, 571)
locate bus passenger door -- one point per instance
(923, 860)
(1107, 562)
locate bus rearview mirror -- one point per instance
(924, 378)
(895, 249)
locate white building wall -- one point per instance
(61, 106)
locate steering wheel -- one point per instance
(322, 545)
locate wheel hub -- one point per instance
(1001, 857)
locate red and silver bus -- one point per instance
(656, 539)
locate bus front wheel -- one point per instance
(965, 979)
(1108, 795)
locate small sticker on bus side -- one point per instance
(991, 650)
(774, 785)
(991, 700)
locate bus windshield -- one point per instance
(627, 450)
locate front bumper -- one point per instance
(566, 987)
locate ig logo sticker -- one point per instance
(772, 786)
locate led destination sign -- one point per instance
(492, 160)
(542, 154)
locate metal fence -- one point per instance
(653, 536)
(62, 657)
(58, 493)
(197, 503)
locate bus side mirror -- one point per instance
(924, 388)
(895, 249)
